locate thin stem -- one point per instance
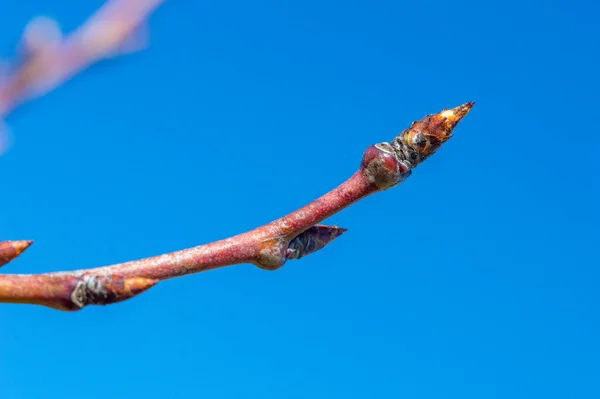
(46, 65)
(264, 246)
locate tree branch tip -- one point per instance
(454, 115)
(428, 134)
(10, 250)
(386, 165)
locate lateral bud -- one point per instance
(9, 250)
(106, 290)
(312, 240)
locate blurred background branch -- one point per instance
(46, 57)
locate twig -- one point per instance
(49, 60)
(383, 166)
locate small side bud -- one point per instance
(106, 290)
(9, 250)
(312, 240)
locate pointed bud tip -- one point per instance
(463, 109)
(454, 115)
(137, 285)
(334, 231)
(21, 245)
(10, 250)
(338, 232)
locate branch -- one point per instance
(46, 59)
(293, 236)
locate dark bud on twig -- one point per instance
(312, 239)
(9, 250)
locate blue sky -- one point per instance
(476, 278)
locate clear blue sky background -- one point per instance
(476, 278)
